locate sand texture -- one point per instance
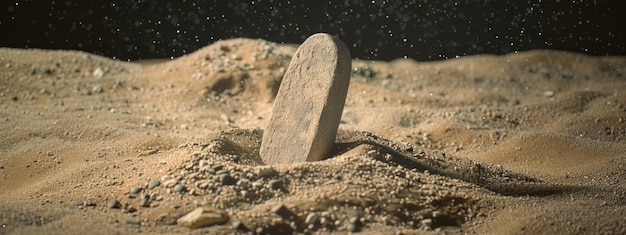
(524, 143)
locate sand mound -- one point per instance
(253, 68)
(530, 142)
(369, 178)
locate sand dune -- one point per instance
(525, 143)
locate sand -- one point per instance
(526, 143)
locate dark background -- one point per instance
(372, 29)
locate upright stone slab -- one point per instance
(309, 103)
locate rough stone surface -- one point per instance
(202, 217)
(309, 103)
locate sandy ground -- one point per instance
(525, 143)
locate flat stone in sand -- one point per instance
(309, 103)
(202, 217)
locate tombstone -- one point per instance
(308, 107)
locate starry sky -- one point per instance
(424, 30)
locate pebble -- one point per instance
(310, 100)
(154, 183)
(217, 168)
(114, 204)
(275, 184)
(166, 178)
(170, 183)
(267, 171)
(98, 72)
(282, 211)
(162, 217)
(222, 172)
(548, 93)
(238, 225)
(352, 228)
(87, 204)
(129, 209)
(135, 190)
(226, 179)
(133, 222)
(202, 217)
(427, 222)
(145, 201)
(372, 153)
(179, 188)
(311, 218)
(354, 224)
(97, 89)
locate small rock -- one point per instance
(129, 209)
(222, 172)
(133, 222)
(354, 224)
(98, 72)
(89, 204)
(114, 204)
(135, 190)
(427, 222)
(170, 183)
(311, 218)
(162, 217)
(267, 171)
(282, 211)
(244, 183)
(97, 89)
(154, 183)
(179, 188)
(352, 228)
(275, 184)
(217, 168)
(202, 217)
(145, 201)
(226, 179)
(165, 178)
(548, 93)
(237, 225)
